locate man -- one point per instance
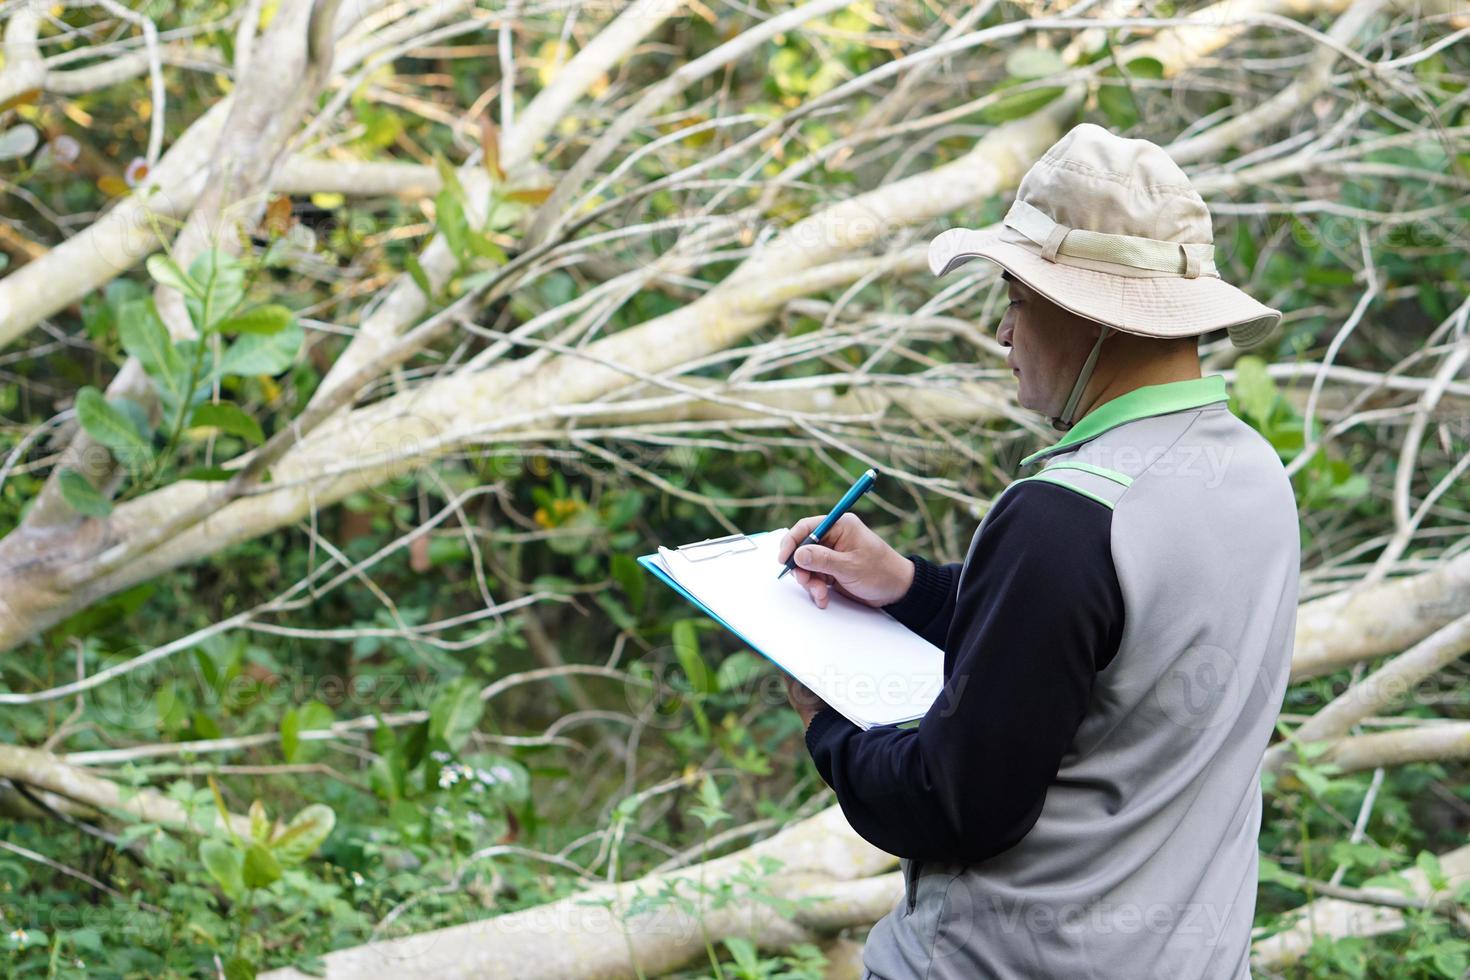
(1085, 799)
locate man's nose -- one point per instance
(1003, 335)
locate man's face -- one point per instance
(1048, 345)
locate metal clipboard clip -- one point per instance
(715, 547)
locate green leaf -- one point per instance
(1427, 863)
(225, 865)
(1393, 882)
(743, 953)
(166, 272)
(1116, 103)
(239, 968)
(260, 868)
(686, 649)
(304, 834)
(1029, 63)
(260, 823)
(230, 418)
(419, 276)
(1316, 783)
(482, 246)
(1254, 389)
(738, 669)
(455, 712)
(290, 734)
(112, 427)
(144, 336)
(254, 354)
(1146, 68)
(630, 577)
(448, 179)
(268, 319)
(81, 496)
(1269, 871)
(309, 717)
(208, 473)
(449, 216)
(221, 279)
(1017, 105)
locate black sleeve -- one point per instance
(1038, 613)
(927, 607)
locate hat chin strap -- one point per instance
(1064, 421)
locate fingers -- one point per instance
(816, 585)
(796, 535)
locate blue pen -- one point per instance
(863, 485)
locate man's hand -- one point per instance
(803, 699)
(851, 560)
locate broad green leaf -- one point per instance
(166, 272)
(1392, 881)
(261, 867)
(1428, 864)
(455, 712)
(304, 834)
(1019, 104)
(738, 669)
(221, 280)
(81, 496)
(1254, 388)
(230, 418)
(686, 649)
(630, 577)
(1116, 102)
(144, 336)
(1146, 68)
(267, 319)
(269, 354)
(225, 865)
(112, 427)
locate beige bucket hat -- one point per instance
(1111, 229)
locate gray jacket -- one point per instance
(1142, 859)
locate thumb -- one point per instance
(818, 559)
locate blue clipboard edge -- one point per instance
(647, 562)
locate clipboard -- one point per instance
(704, 551)
(837, 651)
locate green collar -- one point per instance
(1173, 396)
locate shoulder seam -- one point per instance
(1059, 480)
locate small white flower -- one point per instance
(448, 776)
(18, 936)
(358, 879)
(439, 755)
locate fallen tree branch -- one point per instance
(32, 767)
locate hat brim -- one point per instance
(1163, 306)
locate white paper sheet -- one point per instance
(861, 661)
